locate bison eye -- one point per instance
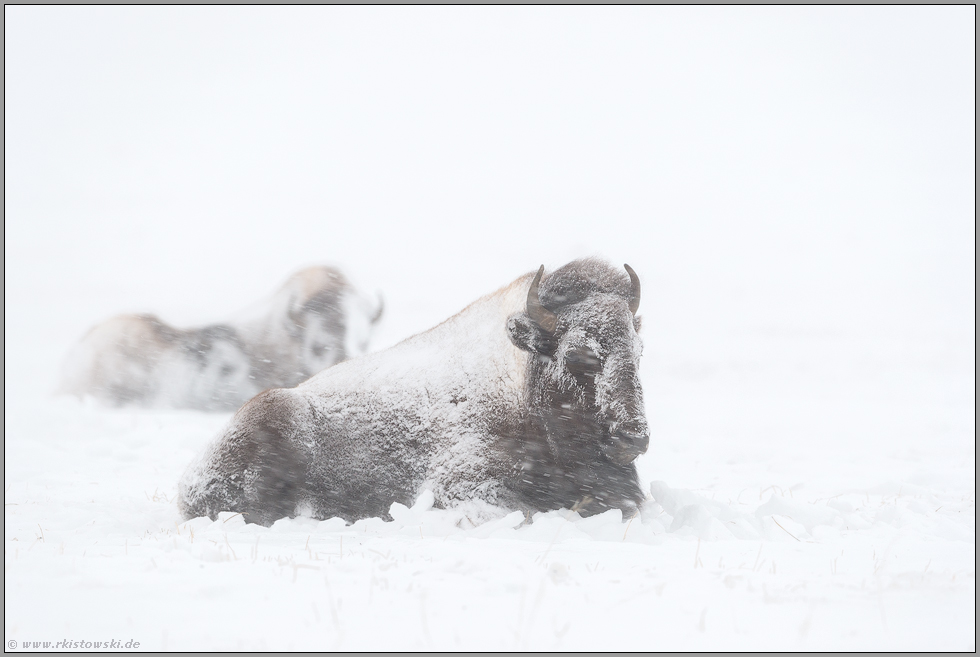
(583, 363)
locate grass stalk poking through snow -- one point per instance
(629, 523)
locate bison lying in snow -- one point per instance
(315, 320)
(528, 399)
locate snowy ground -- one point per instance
(777, 525)
(795, 191)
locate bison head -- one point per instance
(316, 326)
(580, 324)
(327, 319)
(215, 369)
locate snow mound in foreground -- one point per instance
(676, 511)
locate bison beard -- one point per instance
(528, 399)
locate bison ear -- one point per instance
(527, 335)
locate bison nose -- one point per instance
(624, 445)
(638, 440)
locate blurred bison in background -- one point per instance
(313, 321)
(527, 399)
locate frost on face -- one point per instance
(303, 328)
(528, 399)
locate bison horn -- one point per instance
(540, 315)
(634, 289)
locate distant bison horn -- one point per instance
(540, 315)
(634, 289)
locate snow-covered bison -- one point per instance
(313, 321)
(528, 399)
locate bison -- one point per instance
(528, 399)
(313, 321)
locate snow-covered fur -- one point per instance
(488, 406)
(313, 321)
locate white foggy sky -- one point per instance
(761, 168)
